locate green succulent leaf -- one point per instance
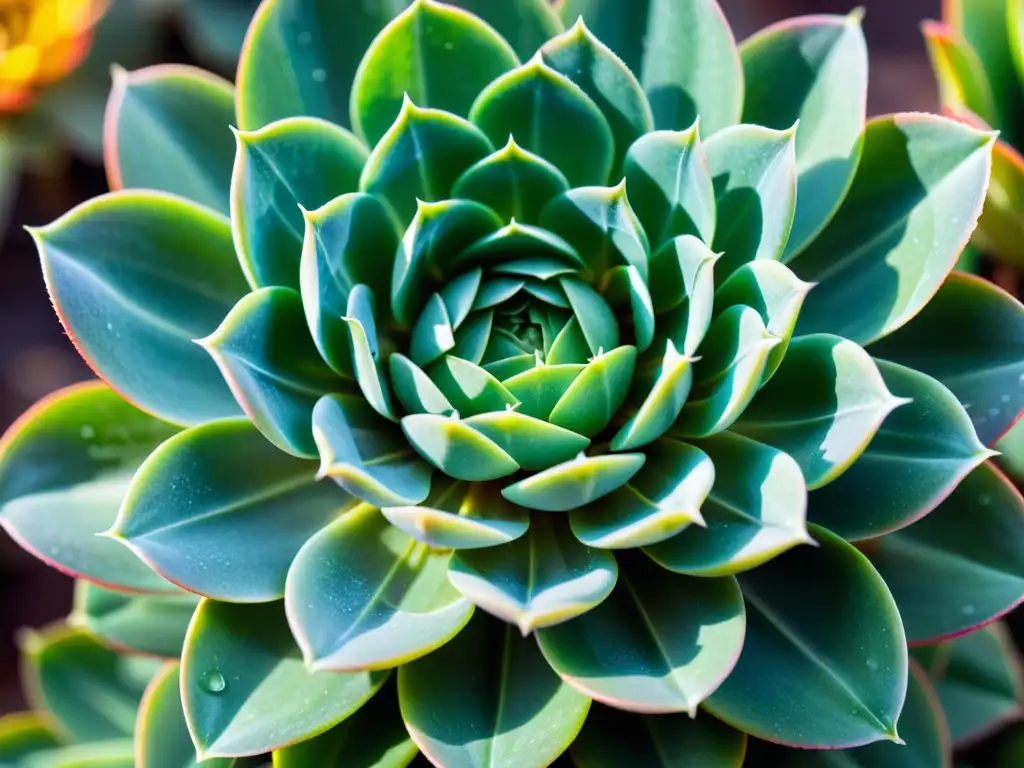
(469, 388)
(457, 449)
(728, 375)
(683, 284)
(915, 199)
(167, 128)
(812, 70)
(984, 370)
(246, 690)
(462, 516)
(753, 169)
(574, 483)
(264, 350)
(414, 389)
(650, 659)
(533, 444)
(435, 54)
(920, 454)
(68, 672)
(23, 734)
(112, 753)
(65, 467)
(221, 511)
(488, 700)
(670, 184)
(979, 682)
(850, 671)
(373, 737)
(959, 73)
(153, 625)
(365, 349)
(666, 384)
(544, 578)
(132, 300)
(603, 76)
(754, 512)
(823, 407)
(661, 500)
(594, 394)
(421, 157)
(922, 726)
(947, 577)
(281, 170)
(551, 116)
(999, 228)
(362, 594)
(611, 738)
(366, 454)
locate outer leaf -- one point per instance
(65, 467)
(918, 456)
(915, 200)
(755, 511)
(147, 624)
(979, 682)
(611, 738)
(112, 753)
(24, 734)
(652, 658)
(948, 577)
(372, 737)
(850, 671)
(246, 690)
(823, 406)
(437, 55)
(364, 595)
(265, 353)
(488, 700)
(221, 511)
(167, 128)
(132, 300)
(294, 164)
(551, 116)
(960, 75)
(813, 70)
(754, 173)
(542, 579)
(971, 338)
(67, 672)
(574, 483)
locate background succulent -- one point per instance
(565, 373)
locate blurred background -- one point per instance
(35, 356)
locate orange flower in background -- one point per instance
(42, 41)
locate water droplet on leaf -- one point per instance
(213, 682)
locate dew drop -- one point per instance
(872, 663)
(305, 38)
(993, 412)
(319, 75)
(985, 499)
(449, 46)
(967, 610)
(87, 432)
(1005, 398)
(110, 326)
(213, 682)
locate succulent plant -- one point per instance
(548, 356)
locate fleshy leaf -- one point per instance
(167, 128)
(815, 70)
(457, 449)
(132, 300)
(914, 202)
(548, 114)
(365, 349)
(246, 690)
(364, 595)
(670, 183)
(959, 73)
(1000, 230)
(754, 512)
(470, 388)
(667, 385)
(540, 387)
(414, 389)
(662, 499)
(683, 279)
(603, 76)
(153, 625)
(366, 454)
(221, 511)
(435, 54)
(533, 444)
(65, 467)
(23, 734)
(949, 576)
(544, 578)
(421, 157)
(649, 659)
(971, 338)
(594, 395)
(574, 483)
(754, 173)
(488, 700)
(265, 352)
(823, 406)
(918, 456)
(294, 164)
(611, 738)
(850, 671)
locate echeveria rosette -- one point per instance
(543, 371)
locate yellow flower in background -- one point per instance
(41, 41)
